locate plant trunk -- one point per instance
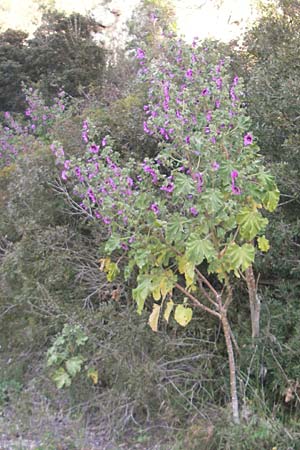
(232, 369)
(254, 302)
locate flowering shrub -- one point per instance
(17, 137)
(189, 220)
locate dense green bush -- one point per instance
(61, 54)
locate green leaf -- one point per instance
(154, 316)
(271, 199)
(183, 315)
(112, 244)
(128, 269)
(52, 358)
(184, 185)
(174, 229)
(263, 244)
(141, 257)
(251, 223)
(197, 249)
(61, 378)
(73, 365)
(240, 257)
(141, 292)
(213, 200)
(81, 338)
(163, 283)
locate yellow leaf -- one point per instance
(168, 310)
(154, 316)
(187, 268)
(104, 264)
(93, 375)
(183, 315)
(263, 244)
(166, 283)
(156, 293)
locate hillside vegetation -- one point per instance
(149, 236)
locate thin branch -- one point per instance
(205, 280)
(196, 301)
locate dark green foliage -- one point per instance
(61, 54)
(13, 53)
(273, 75)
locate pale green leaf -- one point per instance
(263, 244)
(271, 199)
(198, 249)
(251, 223)
(61, 378)
(73, 365)
(240, 257)
(112, 244)
(141, 292)
(183, 315)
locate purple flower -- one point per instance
(218, 103)
(215, 165)
(235, 80)
(233, 94)
(146, 129)
(85, 126)
(208, 116)
(213, 140)
(140, 54)
(64, 175)
(91, 195)
(152, 172)
(199, 178)
(94, 148)
(219, 82)
(77, 172)
(178, 114)
(205, 92)
(194, 211)
(106, 220)
(234, 174)
(189, 74)
(235, 190)
(129, 181)
(187, 139)
(168, 188)
(67, 164)
(103, 143)
(154, 207)
(124, 246)
(248, 139)
(84, 136)
(207, 130)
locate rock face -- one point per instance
(221, 19)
